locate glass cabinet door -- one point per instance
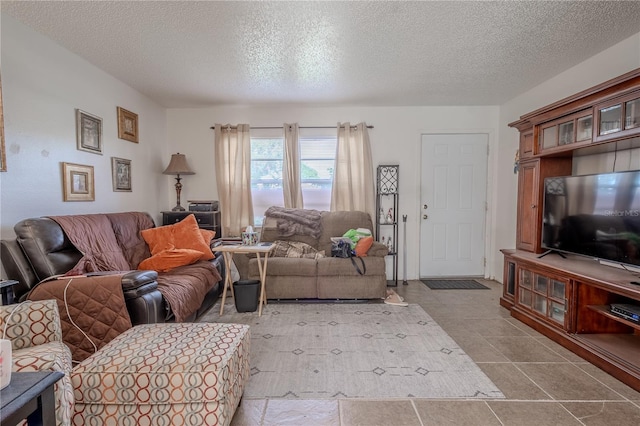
(610, 119)
(565, 133)
(543, 295)
(526, 278)
(557, 304)
(550, 137)
(557, 289)
(525, 286)
(584, 129)
(632, 114)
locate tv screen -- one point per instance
(594, 215)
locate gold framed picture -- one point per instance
(127, 125)
(121, 174)
(89, 132)
(78, 182)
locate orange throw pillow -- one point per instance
(167, 260)
(207, 235)
(182, 235)
(363, 245)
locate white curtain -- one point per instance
(291, 178)
(353, 184)
(233, 176)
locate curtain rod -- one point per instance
(280, 127)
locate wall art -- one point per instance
(127, 125)
(78, 182)
(89, 132)
(121, 174)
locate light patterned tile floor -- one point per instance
(544, 384)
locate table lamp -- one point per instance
(178, 166)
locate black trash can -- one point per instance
(246, 294)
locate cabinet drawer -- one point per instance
(205, 219)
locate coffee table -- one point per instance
(261, 250)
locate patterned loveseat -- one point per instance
(187, 373)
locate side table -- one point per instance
(6, 289)
(30, 396)
(228, 250)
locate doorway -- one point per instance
(453, 204)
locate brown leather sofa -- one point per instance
(42, 249)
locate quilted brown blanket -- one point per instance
(92, 310)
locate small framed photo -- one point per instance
(127, 125)
(121, 174)
(78, 182)
(89, 132)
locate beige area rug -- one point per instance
(327, 351)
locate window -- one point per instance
(266, 175)
(317, 158)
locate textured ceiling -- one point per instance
(188, 53)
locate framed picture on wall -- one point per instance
(121, 174)
(78, 182)
(127, 125)
(89, 132)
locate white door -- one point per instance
(453, 204)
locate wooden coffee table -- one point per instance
(261, 250)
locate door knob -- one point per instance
(424, 216)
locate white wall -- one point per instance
(395, 139)
(615, 61)
(42, 85)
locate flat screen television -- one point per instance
(594, 215)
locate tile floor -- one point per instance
(544, 384)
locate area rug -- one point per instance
(454, 285)
(330, 351)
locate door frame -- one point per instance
(490, 214)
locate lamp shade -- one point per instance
(178, 166)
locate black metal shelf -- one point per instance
(387, 187)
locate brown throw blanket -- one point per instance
(185, 287)
(127, 227)
(93, 236)
(296, 221)
(96, 305)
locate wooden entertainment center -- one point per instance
(568, 299)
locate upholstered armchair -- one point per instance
(34, 329)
